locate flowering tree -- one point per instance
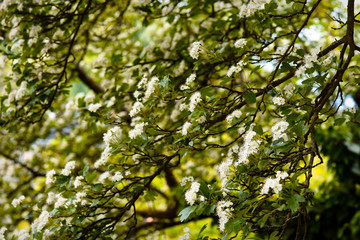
(121, 118)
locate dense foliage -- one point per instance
(124, 119)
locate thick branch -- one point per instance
(88, 81)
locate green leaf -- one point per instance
(61, 180)
(186, 212)
(300, 129)
(293, 204)
(165, 82)
(339, 121)
(201, 230)
(255, 69)
(274, 236)
(225, 80)
(263, 220)
(96, 202)
(297, 6)
(97, 187)
(150, 195)
(299, 198)
(224, 237)
(86, 169)
(210, 209)
(250, 97)
(258, 129)
(90, 176)
(29, 215)
(204, 190)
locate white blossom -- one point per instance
(104, 157)
(278, 101)
(68, 168)
(78, 181)
(111, 135)
(3, 60)
(143, 82)
(278, 130)
(90, 96)
(34, 31)
(117, 177)
(188, 82)
(50, 176)
(186, 235)
(271, 183)
(101, 61)
(195, 50)
(23, 235)
(137, 130)
(240, 43)
(94, 107)
(223, 210)
(289, 89)
(60, 201)
(184, 180)
(194, 100)
(136, 108)
(20, 93)
(40, 223)
(2, 232)
(191, 193)
(234, 114)
(15, 202)
(185, 128)
(249, 147)
(281, 175)
(51, 198)
(104, 176)
(201, 119)
(150, 88)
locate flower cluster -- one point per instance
(278, 130)
(249, 147)
(136, 108)
(93, 107)
(240, 43)
(224, 167)
(278, 101)
(188, 82)
(40, 223)
(223, 210)
(186, 235)
(194, 100)
(151, 86)
(234, 114)
(109, 138)
(246, 10)
(2, 232)
(185, 128)
(309, 60)
(184, 180)
(274, 183)
(117, 177)
(112, 135)
(17, 201)
(50, 176)
(235, 68)
(191, 193)
(68, 168)
(195, 50)
(78, 181)
(137, 130)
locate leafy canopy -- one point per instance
(120, 119)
